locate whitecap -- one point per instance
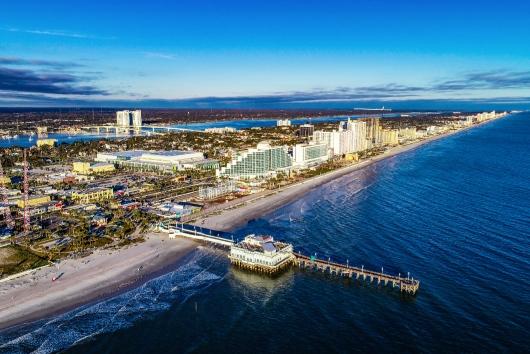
(122, 311)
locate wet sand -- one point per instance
(252, 207)
(104, 273)
(33, 296)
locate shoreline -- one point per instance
(106, 273)
(236, 215)
(102, 275)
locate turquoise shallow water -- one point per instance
(455, 213)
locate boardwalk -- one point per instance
(407, 285)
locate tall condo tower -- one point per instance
(129, 118)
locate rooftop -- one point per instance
(261, 243)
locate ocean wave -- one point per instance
(122, 311)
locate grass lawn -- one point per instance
(14, 259)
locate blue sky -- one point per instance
(265, 54)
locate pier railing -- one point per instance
(405, 284)
(199, 233)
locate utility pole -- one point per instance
(26, 192)
(8, 218)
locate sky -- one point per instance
(265, 54)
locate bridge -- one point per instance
(407, 285)
(145, 128)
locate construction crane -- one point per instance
(26, 191)
(7, 212)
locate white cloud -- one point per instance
(56, 33)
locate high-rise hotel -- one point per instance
(129, 118)
(344, 141)
(263, 161)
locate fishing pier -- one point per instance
(264, 254)
(407, 285)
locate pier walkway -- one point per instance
(198, 233)
(405, 284)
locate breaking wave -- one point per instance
(122, 311)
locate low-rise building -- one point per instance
(46, 142)
(81, 168)
(92, 195)
(206, 164)
(102, 167)
(157, 161)
(217, 191)
(34, 201)
(175, 210)
(261, 253)
(99, 220)
(86, 168)
(44, 208)
(283, 123)
(223, 130)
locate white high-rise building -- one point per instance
(360, 143)
(340, 141)
(305, 155)
(129, 118)
(262, 162)
(283, 123)
(136, 118)
(344, 141)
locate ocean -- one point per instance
(455, 213)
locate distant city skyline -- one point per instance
(273, 54)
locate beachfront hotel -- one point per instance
(262, 254)
(344, 141)
(307, 155)
(263, 161)
(373, 129)
(389, 137)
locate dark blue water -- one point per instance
(455, 213)
(28, 141)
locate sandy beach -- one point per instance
(34, 296)
(103, 273)
(239, 212)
